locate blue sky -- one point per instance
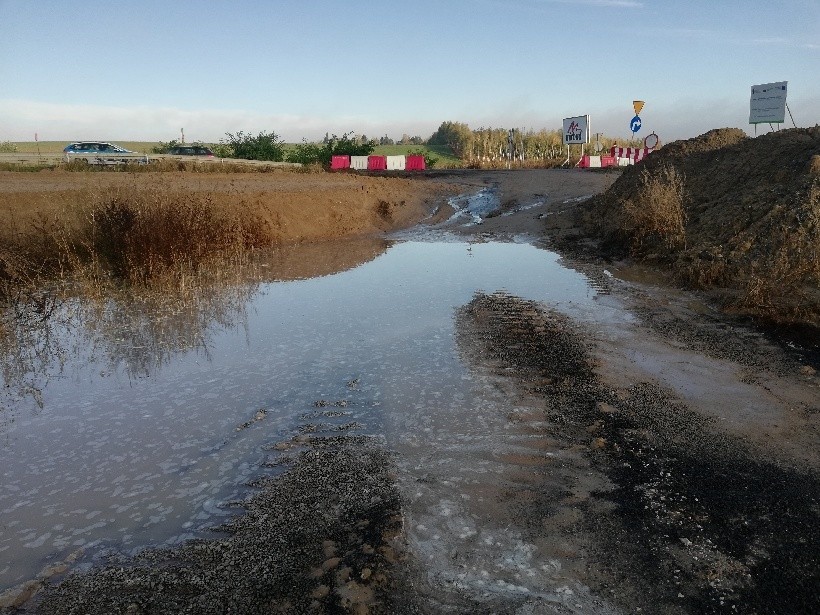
(143, 69)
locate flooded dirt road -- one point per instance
(463, 424)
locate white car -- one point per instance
(100, 152)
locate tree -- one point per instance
(457, 136)
(264, 146)
(331, 145)
(306, 153)
(347, 145)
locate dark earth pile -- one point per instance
(750, 209)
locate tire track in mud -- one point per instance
(697, 521)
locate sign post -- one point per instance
(767, 104)
(635, 122)
(576, 132)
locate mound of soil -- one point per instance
(726, 211)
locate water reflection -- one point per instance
(136, 332)
(155, 415)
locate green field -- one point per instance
(444, 155)
(56, 147)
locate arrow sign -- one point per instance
(637, 105)
(635, 124)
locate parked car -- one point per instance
(191, 150)
(100, 152)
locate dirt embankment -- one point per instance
(292, 206)
(727, 212)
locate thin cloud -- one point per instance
(690, 33)
(621, 4)
(774, 40)
(20, 119)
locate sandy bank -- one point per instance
(293, 206)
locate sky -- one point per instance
(144, 70)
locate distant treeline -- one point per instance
(492, 145)
(481, 147)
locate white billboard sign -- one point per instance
(576, 130)
(768, 103)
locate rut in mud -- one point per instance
(695, 522)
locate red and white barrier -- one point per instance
(410, 162)
(590, 162)
(396, 163)
(596, 162)
(415, 162)
(633, 154)
(376, 163)
(340, 162)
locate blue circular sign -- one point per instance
(635, 124)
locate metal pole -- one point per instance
(790, 115)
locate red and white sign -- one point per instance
(576, 130)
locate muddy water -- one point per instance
(121, 442)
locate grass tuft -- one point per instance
(145, 238)
(654, 220)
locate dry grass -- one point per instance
(139, 237)
(100, 230)
(164, 165)
(654, 220)
(738, 217)
(178, 255)
(125, 235)
(787, 280)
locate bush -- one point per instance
(162, 147)
(264, 146)
(7, 147)
(221, 150)
(306, 153)
(429, 160)
(313, 153)
(655, 219)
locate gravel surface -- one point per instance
(320, 537)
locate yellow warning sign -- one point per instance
(638, 104)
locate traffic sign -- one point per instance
(635, 124)
(637, 105)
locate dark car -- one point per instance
(191, 150)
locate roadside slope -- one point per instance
(727, 212)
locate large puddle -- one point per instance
(125, 439)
